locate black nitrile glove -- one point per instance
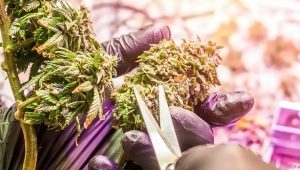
(57, 149)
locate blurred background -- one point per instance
(261, 55)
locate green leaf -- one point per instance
(100, 75)
(94, 42)
(34, 117)
(46, 96)
(14, 29)
(72, 71)
(31, 5)
(22, 33)
(73, 115)
(66, 14)
(65, 112)
(57, 72)
(65, 53)
(31, 82)
(46, 108)
(68, 88)
(28, 16)
(53, 41)
(32, 106)
(64, 100)
(75, 104)
(49, 24)
(56, 88)
(57, 62)
(55, 119)
(94, 110)
(84, 87)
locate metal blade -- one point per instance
(166, 123)
(164, 155)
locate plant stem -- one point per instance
(30, 147)
(9, 66)
(27, 102)
(19, 115)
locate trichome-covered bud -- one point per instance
(187, 72)
(63, 96)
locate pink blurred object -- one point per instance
(284, 160)
(284, 147)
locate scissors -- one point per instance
(163, 137)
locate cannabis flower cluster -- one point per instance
(69, 71)
(70, 84)
(186, 72)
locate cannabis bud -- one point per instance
(69, 70)
(38, 27)
(187, 72)
(70, 84)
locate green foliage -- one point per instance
(65, 85)
(39, 27)
(69, 71)
(186, 72)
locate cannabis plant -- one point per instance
(69, 84)
(69, 71)
(186, 72)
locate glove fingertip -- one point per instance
(224, 108)
(191, 130)
(102, 162)
(133, 140)
(137, 147)
(159, 32)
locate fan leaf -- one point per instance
(94, 110)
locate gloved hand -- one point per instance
(128, 47)
(57, 149)
(224, 156)
(192, 129)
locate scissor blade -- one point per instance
(166, 123)
(162, 151)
